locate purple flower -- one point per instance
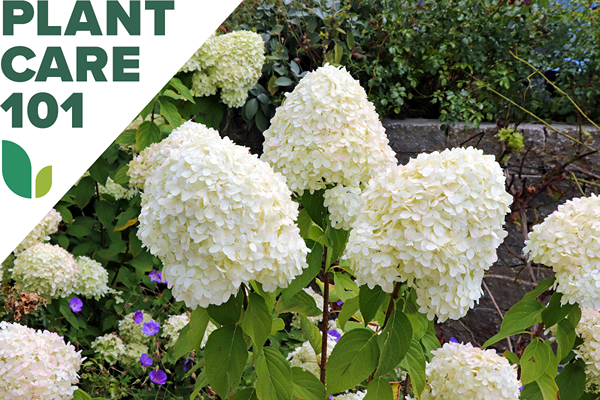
(145, 360)
(75, 304)
(156, 276)
(334, 334)
(521, 388)
(339, 303)
(188, 364)
(138, 317)
(453, 340)
(159, 377)
(150, 328)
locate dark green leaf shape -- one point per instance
(306, 386)
(565, 338)
(531, 392)
(225, 354)
(228, 312)
(394, 342)
(258, 320)
(147, 133)
(250, 108)
(535, 360)
(84, 191)
(121, 175)
(349, 308)
(16, 169)
(313, 204)
(370, 300)
(208, 111)
(169, 111)
(345, 287)
(571, 382)
(574, 316)
(379, 389)
(335, 240)
(312, 333)
(419, 321)
(429, 342)
(248, 393)
(273, 376)
(314, 261)
(67, 313)
(414, 363)
(539, 289)
(105, 212)
(512, 357)
(99, 171)
(182, 346)
(352, 360)
(198, 323)
(520, 317)
(555, 311)
(262, 122)
(43, 182)
(301, 303)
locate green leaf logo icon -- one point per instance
(17, 174)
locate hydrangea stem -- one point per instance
(392, 302)
(325, 324)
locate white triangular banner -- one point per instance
(107, 107)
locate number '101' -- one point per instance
(15, 103)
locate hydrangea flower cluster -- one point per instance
(133, 352)
(110, 347)
(568, 241)
(343, 203)
(217, 216)
(327, 133)
(92, 280)
(173, 326)
(132, 331)
(461, 371)
(36, 365)
(435, 223)
(306, 358)
(113, 189)
(42, 231)
(350, 396)
(143, 166)
(232, 62)
(46, 269)
(589, 351)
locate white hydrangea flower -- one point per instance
(92, 280)
(218, 216)
(343, 203)
(173, 326)
(327, 133)
(110, 347)
(131, 331)
(36, 365)
(589, 351)
(116, 190)
(42, 231)
(143, 166)
(133, 352)
(316, 319)
(45, 269)
(232, 62)
(306, 358)
(461, 371)
(435, 223)
(569, 241)
(350, 396)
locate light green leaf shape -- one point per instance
(379, 389)
(273, 376)
(225, 354)
(43, 181)
(306, 386)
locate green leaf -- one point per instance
(65, 214)
(335, 240)
(314, 261)
(565, 338)
(250, 108)
(555, 311)
(571, 382)
(81, 395)
(419, 321)
(312, 333)
(394, 342)
(43, 181)
(278, 325)
(306, 386)
(539, 289)
(181, 88)
(520, 317)
(512, 357)
(208, 111)
(273, 376)
(339, 52)
(349, 308)
(202, 382)
(182, 346)
(257, 320)
(429, 342)
(248, 393)
(272, 86)
(16, 169)
(313, 204)
(99, 171)
(547, 387)
(121, 175)
(147, 133)
(86, 188)
(283, 81)
(535, 360)
(228, 312)
(198, 323)
(115, 248)
(531, 392)
(414, 363)
(126, 137)
(105, 212)
(262, 122)
(353, 359)
(379, 389)
(169, 111)
(135, 244)
(78, 231)
(350, 40)
(301, 303)
(67, 313)
(126, 218)
(345, 287)
(370, 300)
(225, 354)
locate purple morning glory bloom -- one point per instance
(188, 364)
(150, 328)
(138, 317)
(75, 304)
(334, 334)
(453, 340)
(156, 276)
(339, 303)
(159, 377)
(145, 360)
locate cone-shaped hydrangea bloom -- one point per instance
(45, 269)
(42, 231)
(36, 365)
(92, 280)
(110, 347)
(143, 166)
(232, 62)
(569, 241)
(435, 223)
(461, 371)
(327, 133)
(343, 203)
(116, 190)
(218, 216)
(589, 351)
(173, 326)
(131, 331)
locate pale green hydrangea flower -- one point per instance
(92, 280)
(42, 231)
(132, 353)
(110, 347)
(132, 332)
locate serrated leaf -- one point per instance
(370, 300)
(535, 360)
(520, 317)
(414, 363)
(170, 112)
(105, 212)
(99, 171)
(121, 175)
(181, 88)
(350, 40)
(338, 52)
(379, 389)
(147, 133)
(547, 387)
(571, 382)
(555, 311)
(273, 376)
(312, 333)
(301, 303)
(306, 386)
(198, 323)
(225, 354)
(539, 289)
(429, 342)
(394, 342)
(257, 320)
(127, 224)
